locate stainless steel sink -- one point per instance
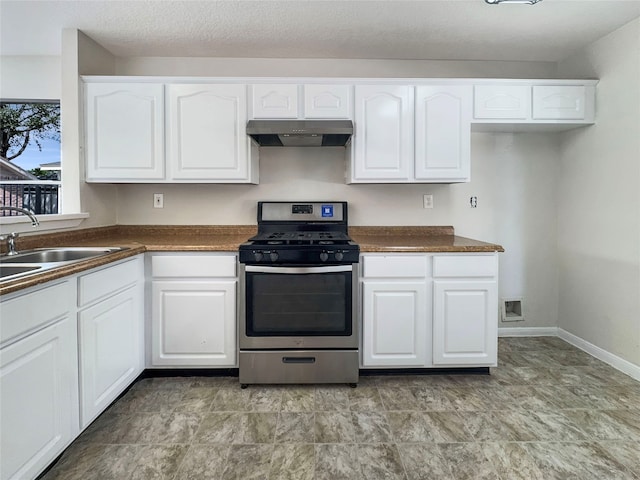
(56, 255)
(16, 270)
(39, 260)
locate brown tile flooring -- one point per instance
(549, 411)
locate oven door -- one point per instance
(299, 307)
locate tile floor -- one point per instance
(549, 411)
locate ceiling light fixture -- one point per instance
(528, 2)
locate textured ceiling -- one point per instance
(389, 29)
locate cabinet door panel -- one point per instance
(394, 324)
(443, 133)
(124, 131)
(327, 101)
(110, 350)
(465, 322)
(275, 101)
(207, 139)
(502, 102)
(38, 399)
(384, 133)
(561, 102)
(193, 323)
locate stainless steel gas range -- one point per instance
(298, 296)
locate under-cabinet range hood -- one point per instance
(300, 133)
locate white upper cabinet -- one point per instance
(293, 101)
(443, 133)
(502, 101)
(558, 102)
(275, 101)
(124, 131)
(207, 139)
(406, 134)
(556, 106)
(328, 101)
(384, 136)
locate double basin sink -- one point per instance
(36, 261)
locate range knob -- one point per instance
(257, 256)
(273, 256)
(339, 256)
(324, 256)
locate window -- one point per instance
(30, 167)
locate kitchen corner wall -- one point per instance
(599, 208)
(81, 55)
(513, 176)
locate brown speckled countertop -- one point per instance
(416, 239)
(226, 238)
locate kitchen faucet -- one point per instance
(11, 238)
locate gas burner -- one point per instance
(300, 234)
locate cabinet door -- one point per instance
(561, 102)
(443, 133)
(193, 323)
(111, 350)
(383, 137)
(207, 139)
(465, 322)
(328, 101)
(124, 131)
(395, 324)
(511, 102)
(274, 101)
(38, 399)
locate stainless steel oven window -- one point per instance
(299, 301)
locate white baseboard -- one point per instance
(616, 362)
(528, 332)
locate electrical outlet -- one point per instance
(158, 200)
(473, 201)
(427, 201)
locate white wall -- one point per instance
(81, 56)
(599, 202)
(32, 77)
(301, 67)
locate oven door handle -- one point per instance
(294, 270)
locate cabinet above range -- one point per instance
(193, 130)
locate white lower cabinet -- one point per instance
(38, 381)
(395, 317)
(193, 310)
(414, 318)
(465, 310)
(111, 334)
(395, 323)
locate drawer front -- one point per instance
(465, 266)
(193, 266)
(107, 281)
(395, 266)
(28, 312)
